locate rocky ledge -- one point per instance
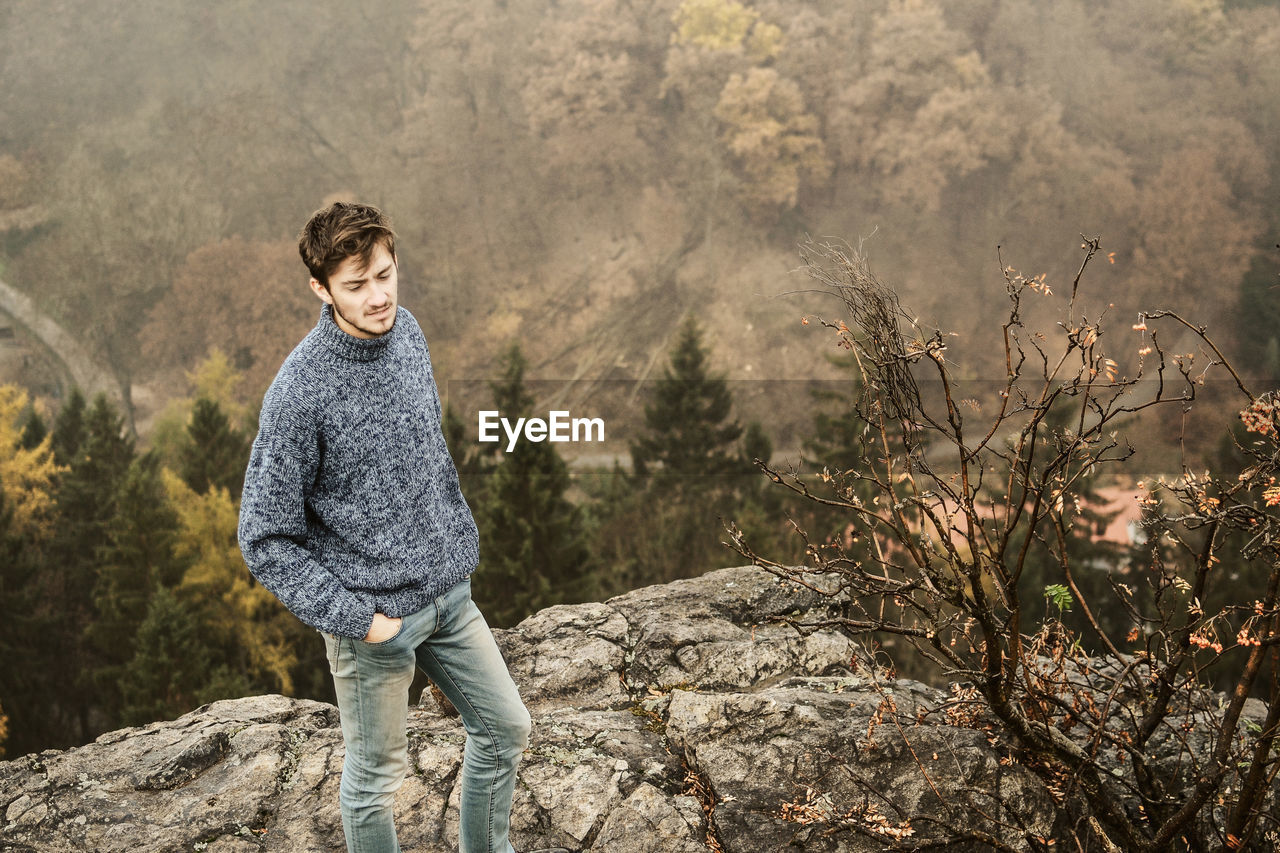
(672, 719)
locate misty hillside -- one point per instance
(578, 175)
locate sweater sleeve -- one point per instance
(273, 522)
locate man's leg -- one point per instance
(463, 660)
(372, 681)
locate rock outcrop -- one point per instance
(672, 719)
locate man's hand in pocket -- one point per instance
(383, 628)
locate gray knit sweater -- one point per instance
(351, 502)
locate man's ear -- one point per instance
(321, 291)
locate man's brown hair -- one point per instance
(343, 230)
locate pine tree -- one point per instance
(532, 544)
(29, 689)
(29, 686)
(836, 451)
(216, 381)
(610, 514)
(214, 454)
(89, 489)
(169, 670)
(761, 508)
(1257, 331)
(688, 430)
(137, 559)
(69, 428)
(756, 444)
(87, 503)
(33, 429)
(688, 473)
(839, 432)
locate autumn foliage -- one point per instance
(247, 299)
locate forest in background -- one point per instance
(576, 176)
(575, 179)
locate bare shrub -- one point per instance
(958, 498)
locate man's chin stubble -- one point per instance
(358, 327)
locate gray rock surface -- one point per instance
(671, 719)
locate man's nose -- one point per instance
(380, 296)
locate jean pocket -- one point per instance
(391, 639)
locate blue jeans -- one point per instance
(450, 641)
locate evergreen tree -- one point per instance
(88, 490)
(169, 670)
(839, 432)
(33, 429)
(752, 487)
(214, 454)
(1258, 318)
(762, 507)
(87, 503)
(532, 542)
(29, 688)
(137, 558)
(609, 523)
(837, 447)
(688, 430)
(756, 444)
(69, 428)
(217, 382)
(690, 475)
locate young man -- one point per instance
(352, 517)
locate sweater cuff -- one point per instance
(356, 622)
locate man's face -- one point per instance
(363, 300)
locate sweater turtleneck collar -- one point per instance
(349, 346)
